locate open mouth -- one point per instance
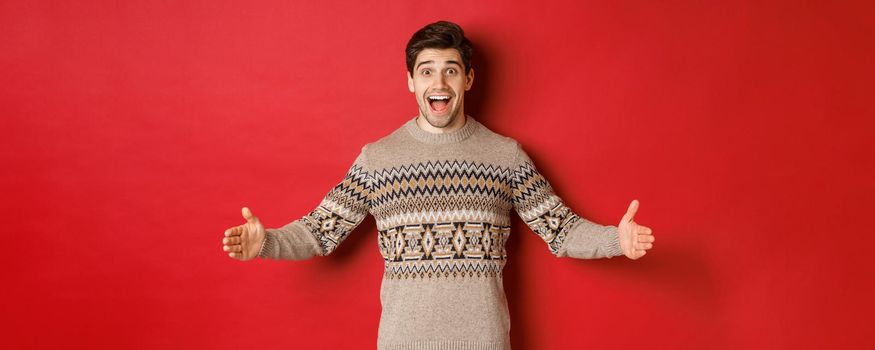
(439, 103)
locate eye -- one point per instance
(451, 71)
(426, 72)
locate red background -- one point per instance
(133, 133)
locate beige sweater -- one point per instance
(442, 204)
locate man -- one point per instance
(441, 188)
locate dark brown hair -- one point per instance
(439, 35)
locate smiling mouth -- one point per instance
(439, 103)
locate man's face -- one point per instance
(439, 83)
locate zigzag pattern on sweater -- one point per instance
(440, 178)
(443, 269)
(531, 191)
(451, 207)
(341, 210)
(354, 190)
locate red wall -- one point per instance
(133, 132)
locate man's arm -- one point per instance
(320, 231)
(566, 233)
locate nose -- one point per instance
(440, 81)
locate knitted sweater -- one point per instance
(442, 204)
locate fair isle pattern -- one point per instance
(443, 269)
(445, 208)
(446, 241)
(342, 209)
(423, 192)
(539, 206)
(460, 249)
(441, 218)
(554, 225)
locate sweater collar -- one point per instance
(471, 125)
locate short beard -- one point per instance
(436, 122)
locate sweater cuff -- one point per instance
(268, 246)
(612, 246)
(588, 240)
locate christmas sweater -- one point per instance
(442, 206)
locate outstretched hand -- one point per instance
(635, 239)
(244, 242)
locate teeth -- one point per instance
(434, 98)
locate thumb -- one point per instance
(633, 208)
(247, 214)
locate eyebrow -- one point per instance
(430, 61)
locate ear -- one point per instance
(410, 82)
(469, 81)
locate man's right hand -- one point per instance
(244, 242)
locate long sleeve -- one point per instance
(320, 231)
(566, 233)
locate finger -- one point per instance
(633, 208)
(646, 238)
(247, 214)
(644, 230)
(234, 231)
(231, 240)
(233, 248)
(643, 246)
(641, 253)
(234, 255)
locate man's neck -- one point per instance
(457, 124)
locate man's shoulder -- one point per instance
(498, 139)
(506, 145)
(390, 140)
